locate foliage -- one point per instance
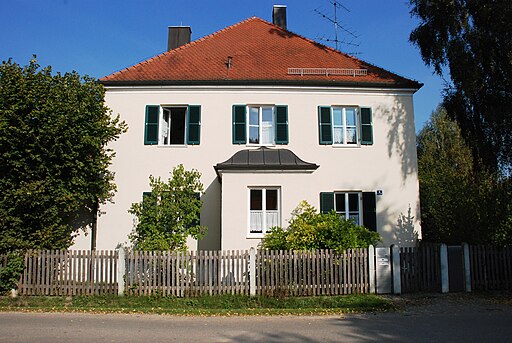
(310, 230)
(54, 130)
(170, 214)
(459, 203)
(470, 40)
(10, 273)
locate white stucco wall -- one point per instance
(389, 165)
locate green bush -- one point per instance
(10, 274)
(310, 230)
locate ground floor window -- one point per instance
(264, 209)
(361, 207)
(348, 206)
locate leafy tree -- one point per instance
(54, 130)
(170, 214)
(471, 41)
(309, 230)
(459, 203)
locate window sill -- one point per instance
(167, 146)
(260, 145)
(345, 146)
(255, 235)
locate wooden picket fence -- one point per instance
(287, 273)
(311, 273)
(491, 268)
(69, 272)
(420, 268)
(187, 274)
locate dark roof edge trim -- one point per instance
(266, 167)
(405, 85)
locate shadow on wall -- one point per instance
(405, 233)
(401, 136)
(210, 217)
(402, 232)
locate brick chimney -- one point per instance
(178, 36)
(279, 16)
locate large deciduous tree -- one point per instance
(459, 202)
(471, 41)
(54, 131)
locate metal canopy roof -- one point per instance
(264, 159)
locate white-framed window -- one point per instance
(173, 124)
(261, 128)
(345, 125)
(348, 205)
(264, 210)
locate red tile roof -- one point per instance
(261, 53)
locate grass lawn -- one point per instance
(224, 305)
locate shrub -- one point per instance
(10, 274)
(310, 230)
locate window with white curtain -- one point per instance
(261, 128)
(264, 210)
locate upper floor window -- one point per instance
(348, 126)
(172, 125)
(260, 125)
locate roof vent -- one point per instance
(178, 36)
(279, 16)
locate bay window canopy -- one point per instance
(264, 159)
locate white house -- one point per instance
(269, 118)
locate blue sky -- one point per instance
(99, 37)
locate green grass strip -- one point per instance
(224, 305)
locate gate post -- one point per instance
(121, 269)
(443, 257)
(397, 282)
(371, 267)
(467, 266)
(252, 272)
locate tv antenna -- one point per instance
(351, 35)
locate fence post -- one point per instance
(395, 255)
(371, 267)
(121, 269)
(467, 266)
(443, 257)
(252, 272)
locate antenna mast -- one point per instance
(337, 26)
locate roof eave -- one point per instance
(410, 84)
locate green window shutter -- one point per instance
(324, 123)
(370, 211)
(281, 124)
(326, 202)
(239, 130)
(194, 125)
(366, 126)
(151, 127)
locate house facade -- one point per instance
(269, 118)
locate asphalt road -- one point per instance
(440, 321)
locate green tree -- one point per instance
(54, 129)
(459, 203)
(170, 213)
(309, 230)
(470, 41)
